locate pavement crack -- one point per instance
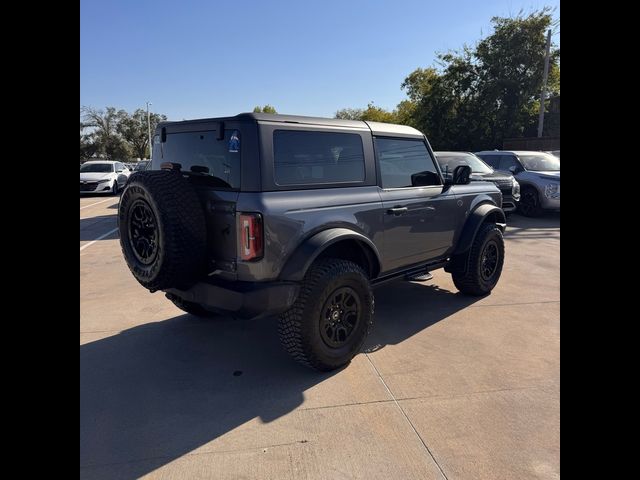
(512, 304)
(407, 418)
(354, 404)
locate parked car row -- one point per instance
(538, 174)
(529, 181)
(480, 171)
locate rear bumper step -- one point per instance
(243, 299)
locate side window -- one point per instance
(492, 160)
(156, 151)
(405, 163)
(303, 158)
(217, 161)
(508, 161)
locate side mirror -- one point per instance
(461, 175)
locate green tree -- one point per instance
(266, 109)
(88, 147)
(371, 113)
(377, 114)
(484, 94)
(134, 130)
(349, 114)
(103, 131)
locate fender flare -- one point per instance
(305, 254)
(473, 223)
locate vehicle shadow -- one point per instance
(153, 393)
(544, 227)
(92, 227)
(546, 220)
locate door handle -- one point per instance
(397, 211)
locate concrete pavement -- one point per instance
(447, 386)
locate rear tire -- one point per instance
(329, 321)
(484, 264)
(190, 307)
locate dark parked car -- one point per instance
(301, 217)
(141, 165)
(538, 174)
(480, 171)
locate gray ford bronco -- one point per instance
(259, 214)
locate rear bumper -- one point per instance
(243, 299)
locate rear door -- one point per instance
(213, 165)
(419, 219)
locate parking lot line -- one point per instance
(101, 201)
(99, 238)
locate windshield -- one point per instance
(540, 162)
(448, 162)
(97, 168)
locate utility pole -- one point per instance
(544, 84)
(149, 126)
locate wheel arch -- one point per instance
(334, 242)
(483, 213)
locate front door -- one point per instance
(419, 212)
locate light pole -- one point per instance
(545, 73)
(149, 129)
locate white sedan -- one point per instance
(103, 176)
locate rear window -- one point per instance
(303, 158)
(202, 154)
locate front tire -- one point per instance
(484, 264)
(115, 189)
(530, 203)
(329, 321)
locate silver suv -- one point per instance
(538, 174)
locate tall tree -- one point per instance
(134, 130)
(475, 97)
(88, 147)
(484, 94)
(103, 127)
(266, 109)
(371, 113)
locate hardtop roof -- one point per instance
(377, 128)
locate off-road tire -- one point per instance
(473, 281)
(190, 307)
(299, 327)
(177, 223)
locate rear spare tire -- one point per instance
(162, 230)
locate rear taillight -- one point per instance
(251, 236)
